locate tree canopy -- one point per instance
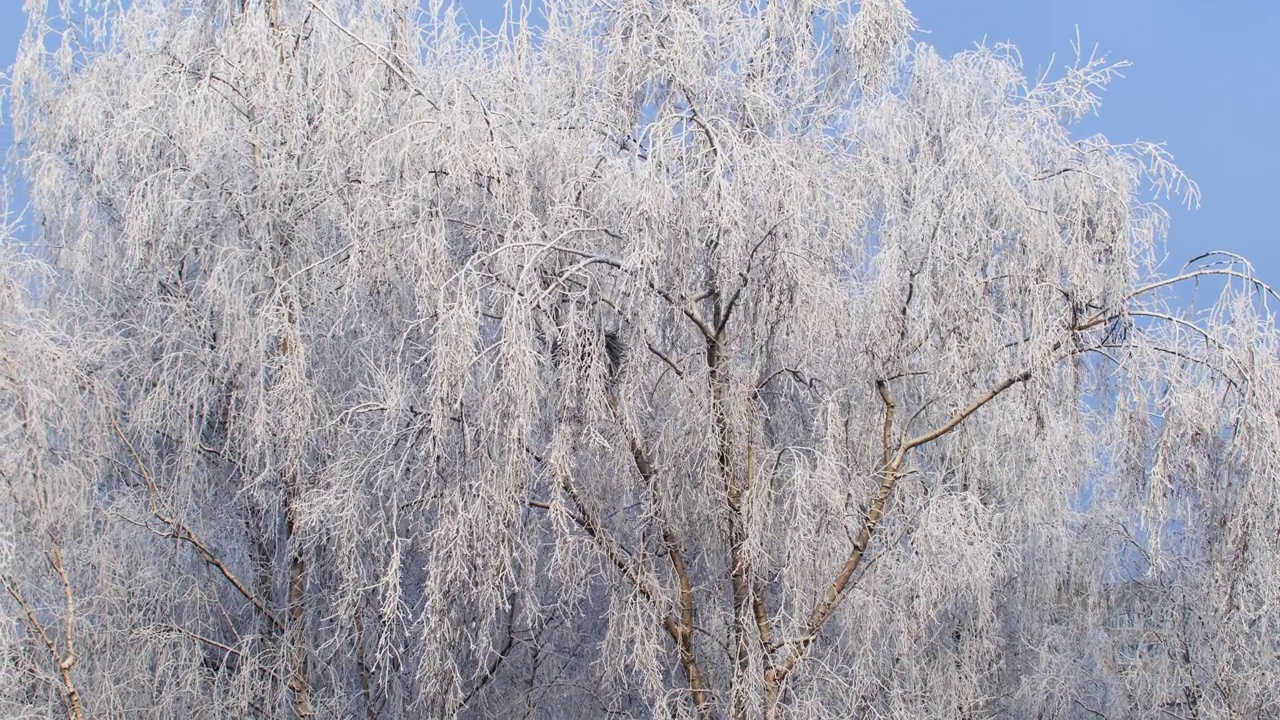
(671, 358)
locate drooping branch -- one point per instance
(1105, 316)
(392, 66)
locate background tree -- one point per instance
(709, 359)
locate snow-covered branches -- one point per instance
(675, 359)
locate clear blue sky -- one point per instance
(1205, 80)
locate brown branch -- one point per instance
(891, 474)
(876, 508)
(959, 417)
(681, 630)
(63, 661)
(666, 359)
(690, 312)
(611, 549)
(706, 130)
(299, 670)
(886, 433)
(180, 531)
(614, 552)
(55, 561)
(228, 649)
(763, 625)
(362, 665)
(492, 670)
(875, 511)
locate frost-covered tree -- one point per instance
(672, 358)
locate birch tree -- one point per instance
(699, 359)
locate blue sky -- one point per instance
(1203, 80)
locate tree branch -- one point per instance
(62, 661)
(373, 51)
(180, 531)
(959, 417)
